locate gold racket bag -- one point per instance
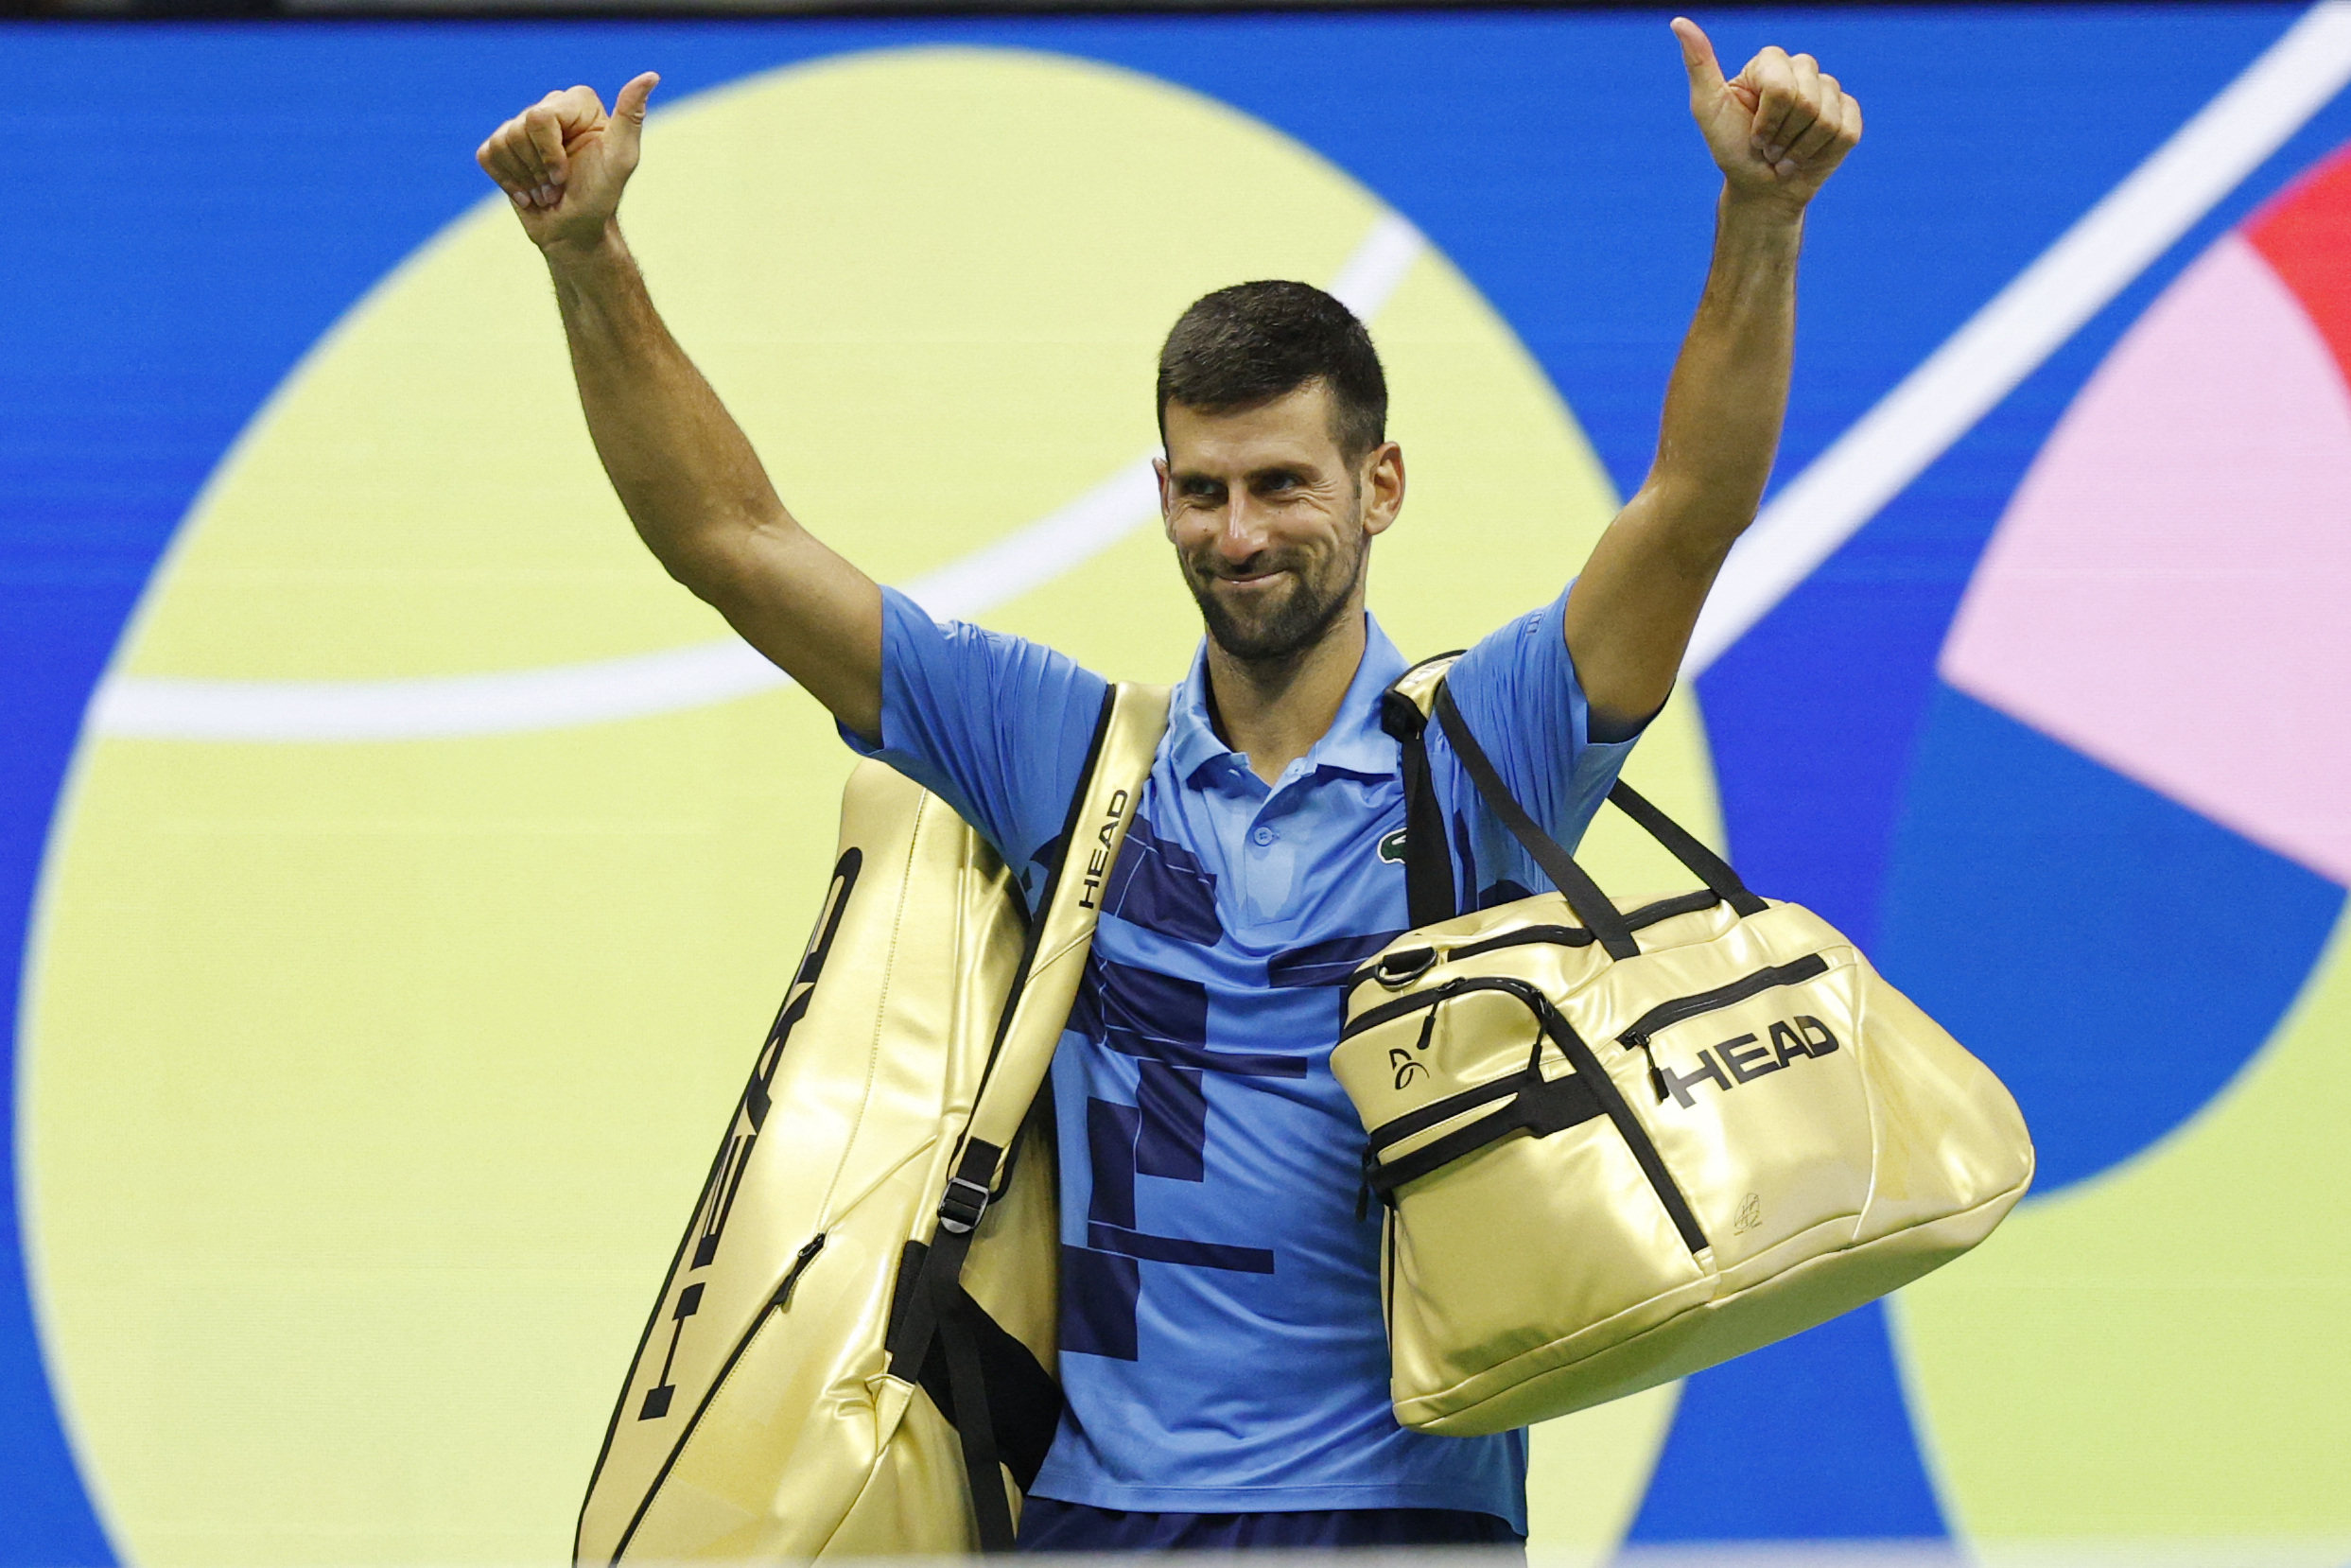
(1617, 1143)
(853, 1352)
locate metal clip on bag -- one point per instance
(853, 1352)
(1617, 1144)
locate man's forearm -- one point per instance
(697, 493)
(1728, 396)
(682, 467)
(1630, 616)
(1777, 132)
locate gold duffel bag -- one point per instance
(1618, 1143)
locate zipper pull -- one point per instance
(800, 1262)
(1634, 1040)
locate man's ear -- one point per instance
(1167, 513)
(1384, 486)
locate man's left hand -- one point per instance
(1780, 127)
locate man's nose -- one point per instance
(1241, 531)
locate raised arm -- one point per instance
(682, 467)
(1777, 132)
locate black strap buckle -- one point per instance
(961, 1208)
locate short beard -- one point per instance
(1298, 622)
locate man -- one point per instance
(1221, 1349)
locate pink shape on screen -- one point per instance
(2170, 589)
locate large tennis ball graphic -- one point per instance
(382, 1028)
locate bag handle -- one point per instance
(1584, 895)
(1592, 906)
(1689, 849)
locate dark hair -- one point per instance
(1254, 342)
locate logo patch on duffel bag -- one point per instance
(1744, 1058)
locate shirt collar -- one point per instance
(1354, 743)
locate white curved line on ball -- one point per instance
(177, 708)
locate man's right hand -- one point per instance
(563, 161)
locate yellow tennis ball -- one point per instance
(370, 1080)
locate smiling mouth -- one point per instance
(1248, 579)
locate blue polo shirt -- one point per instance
(1221, 1343)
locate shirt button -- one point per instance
(1263, 837)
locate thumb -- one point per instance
(628, 110)
(1697, 56)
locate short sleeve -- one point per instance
(996, 725)
(1519, 691)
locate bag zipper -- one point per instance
(1643, 1029)
(800, 1262)
(1634, 1040)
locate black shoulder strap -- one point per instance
(1592, 906)
(975, 1425)
(992, 1389)
(1429, 889)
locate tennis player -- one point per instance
(1221, 1342)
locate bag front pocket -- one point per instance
(1458, 1108)
(1755, 1095)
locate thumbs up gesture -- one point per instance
(562, 160)
(1780, 125)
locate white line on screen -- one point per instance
(175, 707)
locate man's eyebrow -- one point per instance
(1264, 471)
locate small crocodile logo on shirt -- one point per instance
(1392, 848)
